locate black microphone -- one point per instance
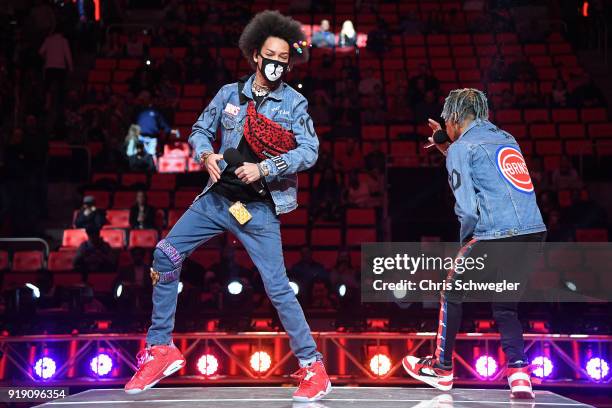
(440, 136)
(234, 158)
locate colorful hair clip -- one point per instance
(298, 46)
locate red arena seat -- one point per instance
(172, 164)
(60, 261)
(4, 260)
(326, 237)
(114, 237)
(73, 238)
(357, 236)
(163, 181)
(118, 219)
(27, 261)
(146, 238)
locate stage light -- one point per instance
(570, 285)
(179, 288)
(294, 287)
(342, 290)
(486, 366)
(101, 365)
(260, 361)
(208, 364)
(545, 366)
(234, 287)
(380, 364)
(119, 291)
(148, 62)
(34, 289)
(299, 86)
(597, 368)
(45, 368)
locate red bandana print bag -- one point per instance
(266, 137)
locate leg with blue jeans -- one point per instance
(202, 221)
(262, 239)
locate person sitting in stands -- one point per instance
(89, 215)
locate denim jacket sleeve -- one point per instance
(459, 167)
(204, 130)
(305, 155)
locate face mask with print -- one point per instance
(273, 70)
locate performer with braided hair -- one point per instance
(265, 124)
(495, 202)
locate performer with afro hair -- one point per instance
(267, 136)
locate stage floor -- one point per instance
(276, 397)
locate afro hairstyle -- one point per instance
(272, 24)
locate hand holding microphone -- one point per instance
(248, 173)
(439, 138)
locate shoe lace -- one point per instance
(143, 357)
(301, 375)
(428, 361)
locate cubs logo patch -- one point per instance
(512, 167)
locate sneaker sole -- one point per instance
(427, 380)
(317, 397)
(172, 368)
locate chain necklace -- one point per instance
(259, 90)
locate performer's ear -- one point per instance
(255, 56)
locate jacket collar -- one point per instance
(244, 86)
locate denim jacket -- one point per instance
(286, 107)
(494, 193)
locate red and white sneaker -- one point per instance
(154, 363)
(314, 383)
(424, 369)
(519, 380)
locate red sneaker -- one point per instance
(519, 380)
(314, 383)
(154, 363)
(424, 369)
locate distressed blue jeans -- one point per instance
(207, 217)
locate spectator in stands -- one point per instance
(141, 162)
(497, 71)
(326, 200)
(137, 272)
(134, 47)
(379, 38)
(306, 270)
(369, 82)
(348, 35)
(347, 118)
(57, 57)
(422, 82)
(350, 157)
(170, 67)
(343, 273)
(323, 38)
(89, 216)
(428, 108)
(565, 177)
(559, 94)
(320, 295)
(151, 121)
(134, 137)
(359, 194)
(94, 255)
(142, 215)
